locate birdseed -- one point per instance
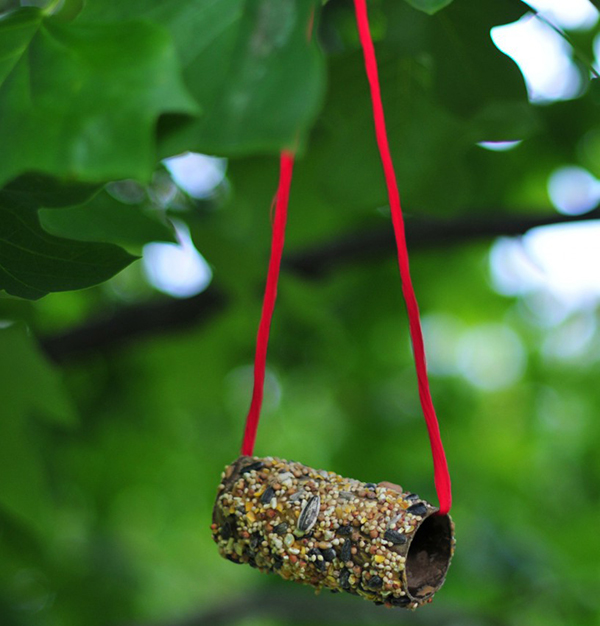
(319, 528)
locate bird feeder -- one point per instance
(318, 528)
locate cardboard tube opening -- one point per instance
(429, 556)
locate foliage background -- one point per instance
(121, 405)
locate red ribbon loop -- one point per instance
(440, 465)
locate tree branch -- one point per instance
(420, 233)
(132, 323)
(168, 315)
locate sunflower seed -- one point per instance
(277, 562)
(308, 516)
(328, 554)
(345, 579)
(417, 509)
(315, 555)
(346, 552)
(252, 466)
(280, 529)
(296, 496)
(268, 495)
(375, 581)
(393, 536)
(255, 540)
(228, 527)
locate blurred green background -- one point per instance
(122, 403)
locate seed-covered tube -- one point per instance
(321, 529)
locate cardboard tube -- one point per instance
(318, 528)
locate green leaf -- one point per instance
(344, 161)
(29, 387)
(505, 121)
(107, 220)
(34, 263)
(485, 74)
(24, 368)
(39, 190)
(248, 63)
(469, 75)
(429, 6)
(81, 101)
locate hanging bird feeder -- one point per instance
(316, 527)
(321, 529)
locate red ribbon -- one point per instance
(440, 465)
(286, 167)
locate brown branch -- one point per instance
(420, 233)
(131, 323)
(138, 321)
